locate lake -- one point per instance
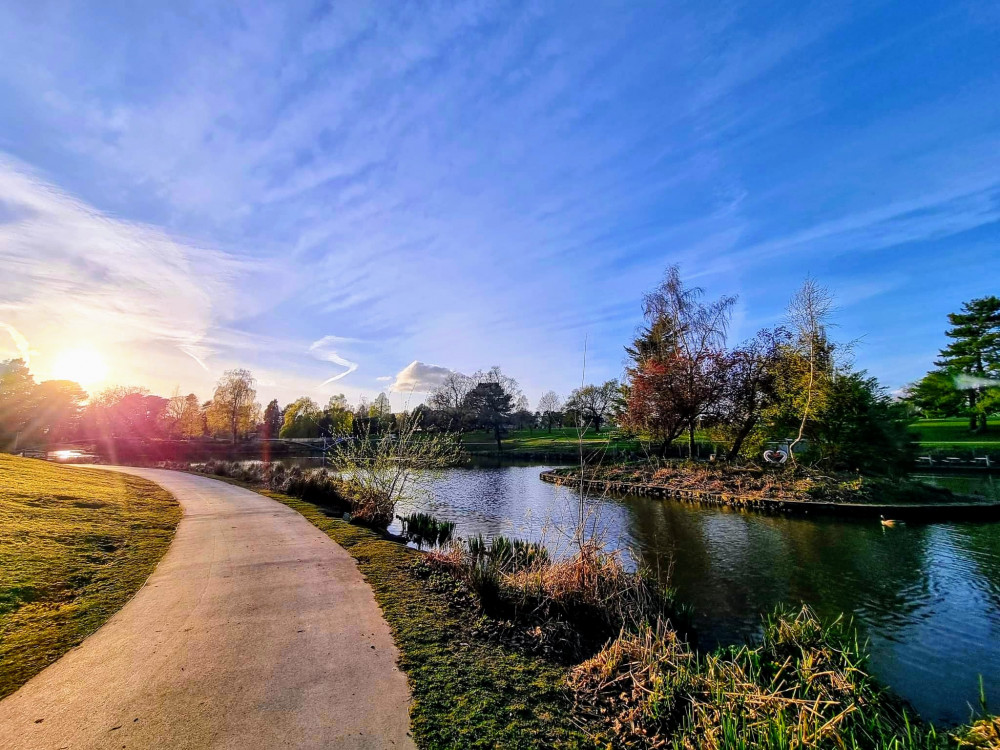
(926, 596)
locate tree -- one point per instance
(337, 417)
(751, 386)
(173, 414)
(507, 384)
(974, 350)
(862, 429)
(125, 411)
(549, 407)
(935, 395)
(234, 406)
(687, 338)
(380, 407)
(450, 395)
(655, 405)
(361, 410)
(490, 406)
(809, 313)
(16, 389)
(58, 409)
(192, 418)
(302, 418)
(273, 420)
(592, 403)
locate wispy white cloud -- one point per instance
(72, 273)
(324, 349)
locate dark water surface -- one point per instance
(926, 596)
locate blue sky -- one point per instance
(315, 190)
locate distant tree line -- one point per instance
(790, 385)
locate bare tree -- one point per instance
(809, 315)
(361, 410)
(548, 406)
(452, 392)
(494, 375)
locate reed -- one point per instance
(423, 528)
(805, 686)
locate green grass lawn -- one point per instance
(933, 433)
(944, 433)
(562, 441)
(75, 545)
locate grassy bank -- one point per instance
(932, 434)
(805, 686)
(469, 691)
(745, 485)
(75, 545)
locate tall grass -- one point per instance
(423, 528)
(805, 686)
(590, 596)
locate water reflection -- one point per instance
(927, 596)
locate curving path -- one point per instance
(255, 631)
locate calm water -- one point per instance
(926, 596)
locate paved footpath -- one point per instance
(255, 631)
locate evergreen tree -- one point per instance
(273, 420)
(974, 351)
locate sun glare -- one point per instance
(84, 366)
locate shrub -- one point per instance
(316, 486)
(383, 468)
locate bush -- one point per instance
(384, 467)
(315, 486)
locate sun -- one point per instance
(83, 366)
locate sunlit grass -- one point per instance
(940, 433)
(75, 545)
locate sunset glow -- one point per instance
(84, 366)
